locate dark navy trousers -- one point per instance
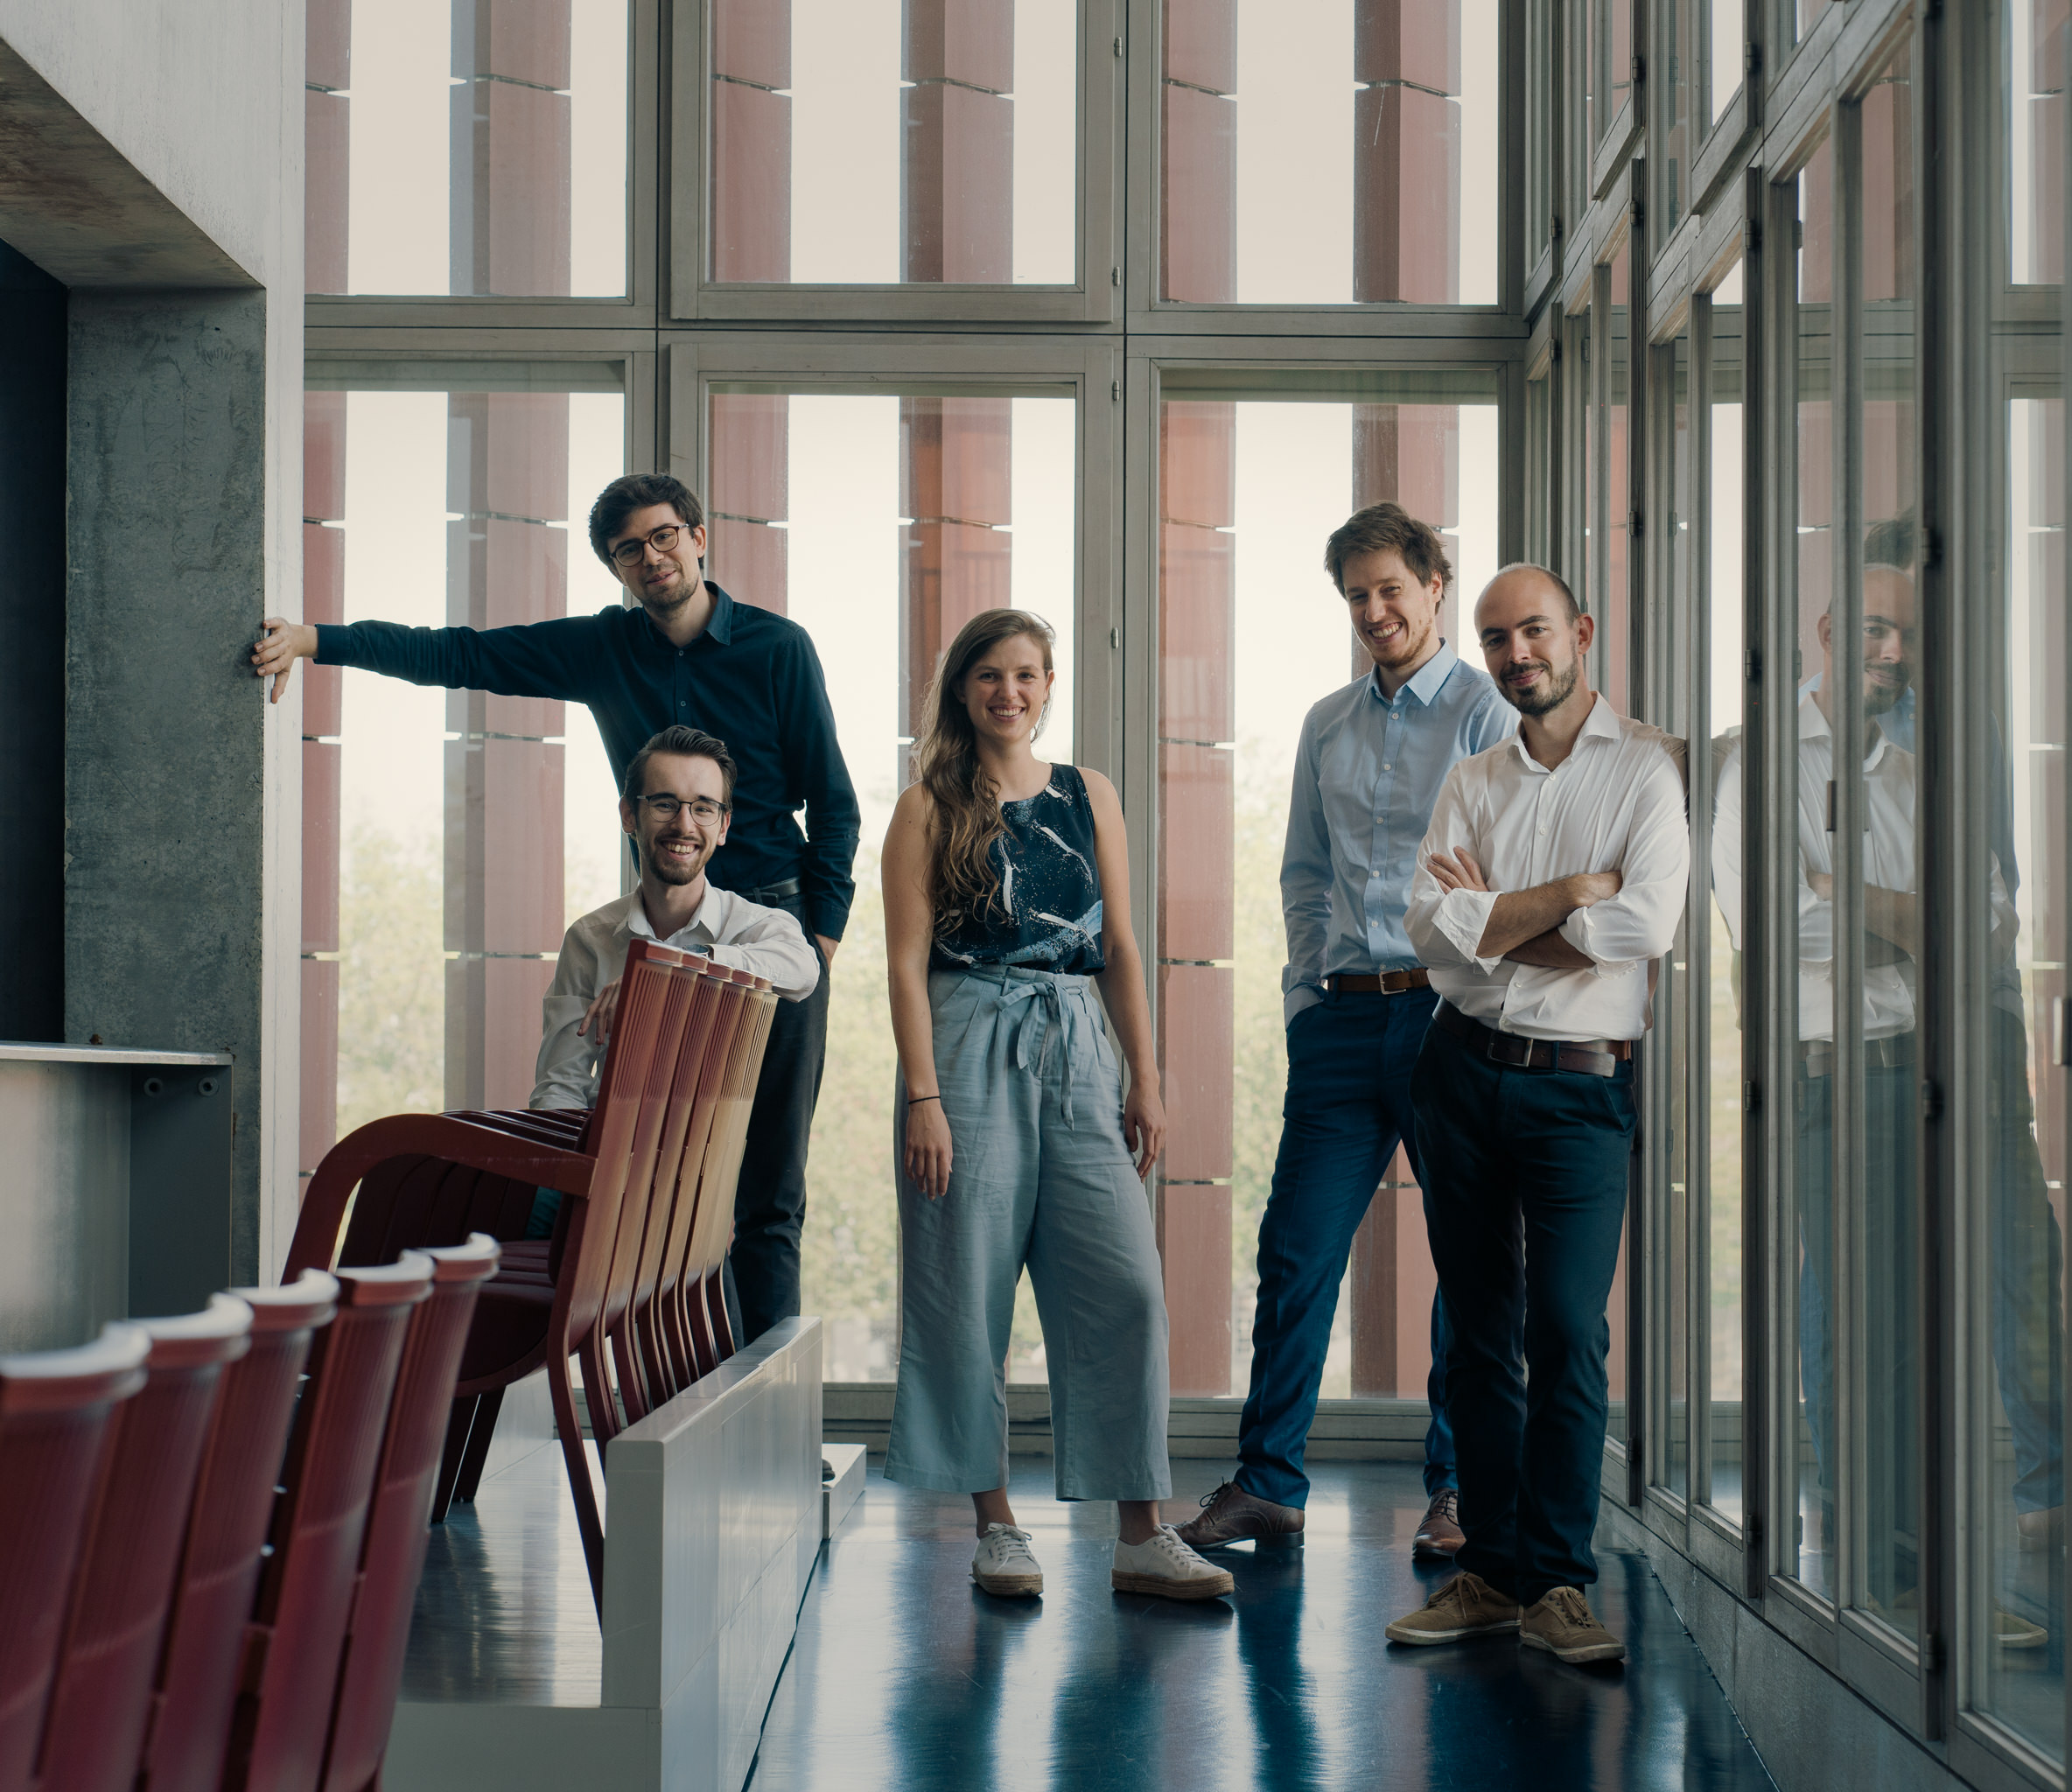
(1524, 1178)
(1348, 1107)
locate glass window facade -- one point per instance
(1797, 436)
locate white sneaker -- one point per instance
(1163, 1565)
(1005, 1563)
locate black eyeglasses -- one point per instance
(661, 540)
(702, 809)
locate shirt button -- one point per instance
(1387, 767)
(679, 653)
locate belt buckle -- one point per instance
(1514, 1049)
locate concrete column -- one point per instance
(171, 776)
(1197, 722)
(323, 600)
(1198, 173)
(509, 216)
(956, 171)
(1406, 150)
(507, 478)
(751, 139)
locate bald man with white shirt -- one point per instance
(1555, 872)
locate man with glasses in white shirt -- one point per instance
(1554, 872)
(677, 803)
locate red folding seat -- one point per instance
(99, 1704)
(701, 1289)
(415, 1179)
(399, 1521)
(234, 1498)
(306, 1586)
(55, 1409)
(716, 1005)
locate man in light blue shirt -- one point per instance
(1357, 1001)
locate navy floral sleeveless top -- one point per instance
(1047, 915)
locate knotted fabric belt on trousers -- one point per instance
(1590, 1057)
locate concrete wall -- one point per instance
(151, 158)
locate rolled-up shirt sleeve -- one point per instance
(1446, 926)
(1640, 922)
(566, 1075)
(771, 944)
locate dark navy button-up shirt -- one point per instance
(752, 678)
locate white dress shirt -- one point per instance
(1615, 803)
(1889, 855)
(727, 928)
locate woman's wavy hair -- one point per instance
(966, 883)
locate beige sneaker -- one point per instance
(1564, 1625)
(1005, 1565)
(1163, 1565)
(2012, 1630)
(1465, 1606)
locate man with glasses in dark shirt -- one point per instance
(685, 654)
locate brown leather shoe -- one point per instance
(1439, 1533)
(1232, 1515)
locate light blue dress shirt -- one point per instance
(1367, 775)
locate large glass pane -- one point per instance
(1612, 495)
(1273, 193)
(430, 798)
(2032, 104)
(1718, 960)
(1677, 982)
(1885, 918)
(1806, 14)
(881, 524)
(2014, 1218)
(1618, 50)
(1251, 633)
(1811, 1434)
(873, 142)
(1679, 126)
(1724, 61)
(474, 149)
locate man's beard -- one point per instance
(1549, 694)
(1879, 698)
(675, 871)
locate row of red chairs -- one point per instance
(212, 1530)
(629, 1285)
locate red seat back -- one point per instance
(234, 1497)
(399, 1521)
(93, 1737)
(306, 1586)
(55, 1407)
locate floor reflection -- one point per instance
(904, 1675)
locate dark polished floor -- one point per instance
(904, 1675)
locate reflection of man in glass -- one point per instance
(1890, 949)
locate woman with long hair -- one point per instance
(1006, 900)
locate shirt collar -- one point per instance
(720, 627)
(1813, 725)
(634, 921)
(1424, 683)
(1602, 723)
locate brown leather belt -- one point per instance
(1388, 983)
(1590, 1057)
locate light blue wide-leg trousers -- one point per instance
(1038, 1175)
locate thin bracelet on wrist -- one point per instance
(916, 1101)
